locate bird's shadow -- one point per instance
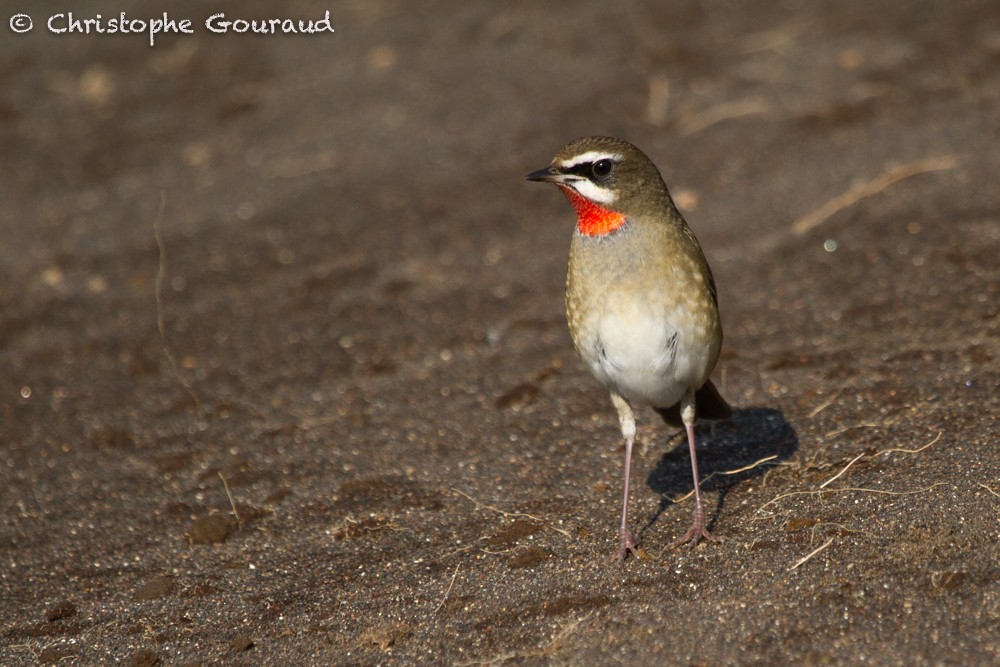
(745, 438)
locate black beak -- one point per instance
(547, 175)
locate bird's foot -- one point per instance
(697, 532)
(626, 545)
(694, 535)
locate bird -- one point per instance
(641, 302)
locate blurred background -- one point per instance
(284, 359)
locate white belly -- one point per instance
(639, 354)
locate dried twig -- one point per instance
(232, 504)
(810, 554)
(851, 489)
(448, 592)
(566, 630)
(989, 489)
(541, 652)
(884, 451)
(458, 551)
(659, 98)
(844, 429)
(839, 526)
(728, 472)
(824, 484)
(720, 112)
(773, 39)
(823, 406)
(912, 451)
(161, 272)
(507, 514)
(874, 186)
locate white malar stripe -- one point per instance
(590, 156)
(593, 192)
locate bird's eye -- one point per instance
(602, 168)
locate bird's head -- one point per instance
(607, 181)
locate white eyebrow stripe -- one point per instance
(590, 156)
(593, 192)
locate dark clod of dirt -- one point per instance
(53, 655)
(528, 557)
(304, 275)
(173, 462)
(518, 530)
(211, 529)
(799, 523)
(390, 491)
(565, 605)
(350, 528)
(49, 629)
(61, 610)
(241, 643)
(278, 495)
(111, 438)
(519, 397)
(155, 588)
(144, 658)
(385, 635)
(949, 580)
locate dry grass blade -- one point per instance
(845, 429)
(810, 554)
(859, 192)
(161, 273)
(828, 402)
(721, 112)
(448, 592)
(232, 503)
(544, 651)
(989, 489)
(850, 489)
(834, 478)
(729, 472)
(507, 514)
(659, 99)
(912, 451)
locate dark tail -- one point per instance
(708, 404)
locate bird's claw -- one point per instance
(697, 532)
(626, 546)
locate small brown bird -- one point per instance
(640, 299)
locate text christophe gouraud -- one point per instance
(122, 24)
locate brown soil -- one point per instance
(286, 378)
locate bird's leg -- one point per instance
(626, 542)
(698, 529)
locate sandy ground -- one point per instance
(285, 373)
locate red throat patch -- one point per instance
(591, 219)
